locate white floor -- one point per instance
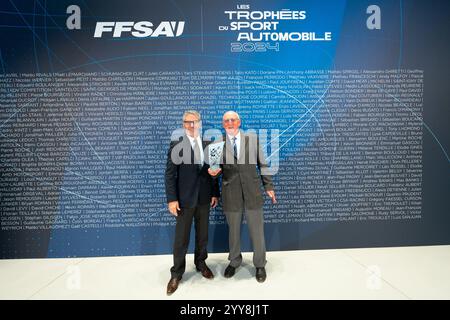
(378, 273)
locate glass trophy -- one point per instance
(215, 155)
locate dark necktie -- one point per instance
(234, 148)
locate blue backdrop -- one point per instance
(82, 162)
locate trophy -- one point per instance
(215, 151)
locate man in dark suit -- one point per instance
(241, 192)
(190, 192)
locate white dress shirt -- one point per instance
(200, 146)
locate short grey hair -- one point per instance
(233, 112)
(194, 113)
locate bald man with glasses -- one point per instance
(241, 193)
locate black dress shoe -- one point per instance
(206, 272)
(229, 271)
(172, 286)
(261, 274)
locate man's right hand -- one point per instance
(174, 208)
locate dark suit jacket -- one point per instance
(187, 182)
(241, 181)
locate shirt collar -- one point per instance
(191, 139)
(238, 136)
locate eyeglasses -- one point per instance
(191, 123)
(233, 120)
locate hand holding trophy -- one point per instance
(215, 151)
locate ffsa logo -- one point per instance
(141, 29)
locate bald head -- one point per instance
(231, 122)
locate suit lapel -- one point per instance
(242, 146)
(205, 152)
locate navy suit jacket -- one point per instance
(187, 182)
